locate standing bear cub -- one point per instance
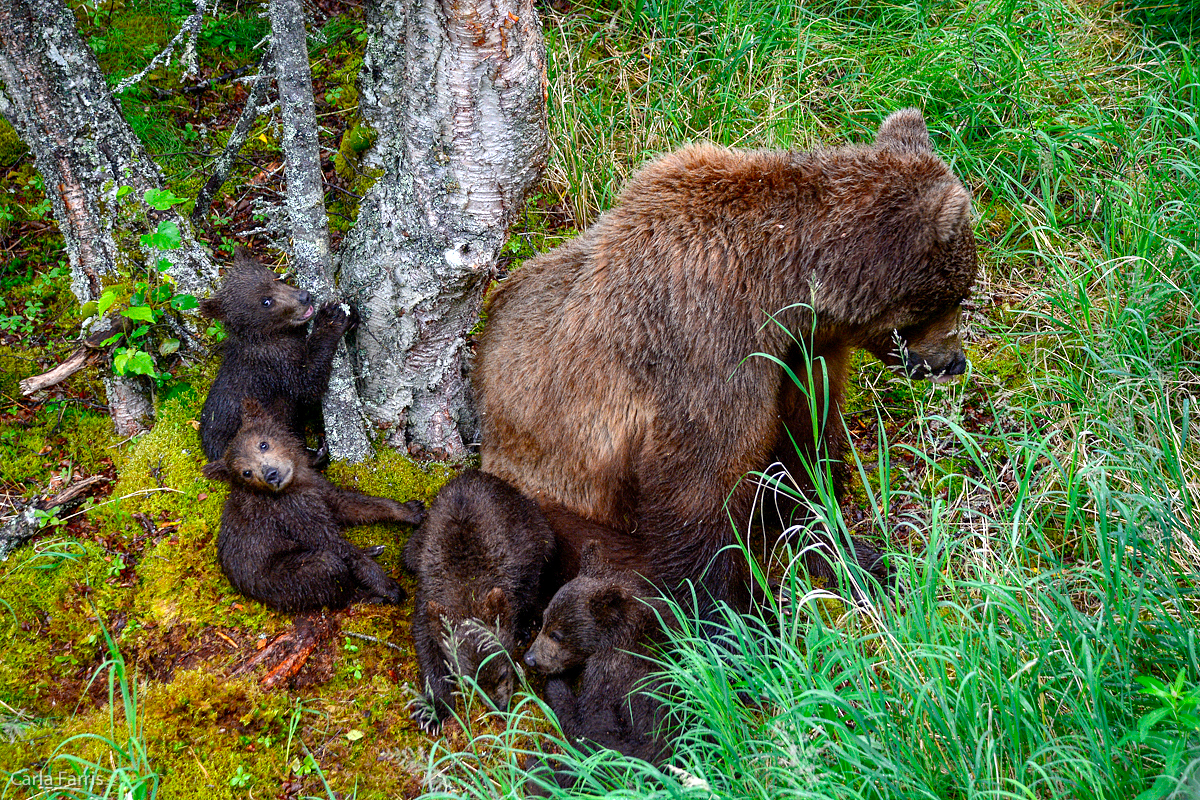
(634, 376)
(480, 559)
(602, 625)
(268, 355)
(280, 541)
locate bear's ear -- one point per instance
(607, 606)
(212, 307)
(252, 409)
(217, 471)
(497, 607)
(436, 612)
(591, 558)
(904, 131)
(242, 259)
(947, 206)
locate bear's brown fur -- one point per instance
(280, 541)
(480, 558)
(268, 354)
(618, 377)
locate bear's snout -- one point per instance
(530, 659)
(943, 368)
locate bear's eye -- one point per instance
(556, 636)
(264, 446)
(247, 474)
(266, 302)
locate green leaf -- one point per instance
(105, 303)
(143, 313)
(123, 192)
(162, 199)
(183, 302)
(354, 734)
(165, 237)
(139, 362)
(163, 265)
(168, 347)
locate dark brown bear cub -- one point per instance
(280, 540)
(636, 375)
(604, 621)
(268, 355)
(479, 559)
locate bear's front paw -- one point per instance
(425, 714)
(387, 591)
(331, 316)
(412, 512)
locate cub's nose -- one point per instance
(272, 476)
(304, 298)
(530, 661)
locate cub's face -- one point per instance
(575, 624)
(261, 463)
(257, 460)
(254, 301)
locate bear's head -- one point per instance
(928, 245)
(479, 647)
(597, 610)
(253, 301)
(263, 457)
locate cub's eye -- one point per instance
(264, 446)
(266, 302)
(247, 474)
(556, 636)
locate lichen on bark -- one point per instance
(456, 94)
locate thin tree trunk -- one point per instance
(345, 434)
(57, 100)
(456, 93)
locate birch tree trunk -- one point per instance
(457, 94)
(305, 201)
(57, 100)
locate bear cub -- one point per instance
(280, 541)
(268, 354)
(605, 622)
(479, 559)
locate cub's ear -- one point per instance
(904, 131)
(591, 558)
(497, 607)
(436, 612)
(243, 260)
(252, 409)
(608, 606)
(212, 307)
(217, 471)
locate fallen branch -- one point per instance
(31, 517)
(86, 354)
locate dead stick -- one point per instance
(23, 525)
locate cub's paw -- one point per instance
(412, 512)
(331, 316)
(424, 713)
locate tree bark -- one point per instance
(305, 201)
(456, 90)
(57, 100)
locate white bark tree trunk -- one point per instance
(305, 201)
(56, 98)
(457, 95)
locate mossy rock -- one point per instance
(12, 149)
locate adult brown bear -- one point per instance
(616, 379)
